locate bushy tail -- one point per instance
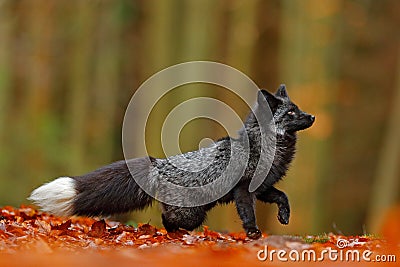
(105, 191)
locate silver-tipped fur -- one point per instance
(56, 196)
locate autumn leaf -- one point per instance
(64, 226)
(98, 229)
(147, 229)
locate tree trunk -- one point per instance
(308, 67)
(385, 189)
(80, 82)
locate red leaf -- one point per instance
(147, 229)
(64, 226)
(98, 229)
(210, 234)
(178, 234)
(238, 236)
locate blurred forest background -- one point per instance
(69, 68)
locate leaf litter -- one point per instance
(27, 231)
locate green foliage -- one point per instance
(132, 223)
(321, 238)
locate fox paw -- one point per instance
(253, 233)
(283, 215)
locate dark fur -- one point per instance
(111, 189)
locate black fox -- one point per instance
(112, 189)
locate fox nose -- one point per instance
(312, 118)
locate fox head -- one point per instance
(287, 116)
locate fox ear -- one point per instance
(281, 92)
(272, 101)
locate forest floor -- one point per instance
(32, 238)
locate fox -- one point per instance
(113, 189)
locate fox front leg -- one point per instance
(245, 207)
(273, 195)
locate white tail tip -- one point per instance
(56, 197)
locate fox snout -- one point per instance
(311, 118)
(308, 120)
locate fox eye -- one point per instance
(291, 113)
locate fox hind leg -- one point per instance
(245, 202)
(174, 217)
